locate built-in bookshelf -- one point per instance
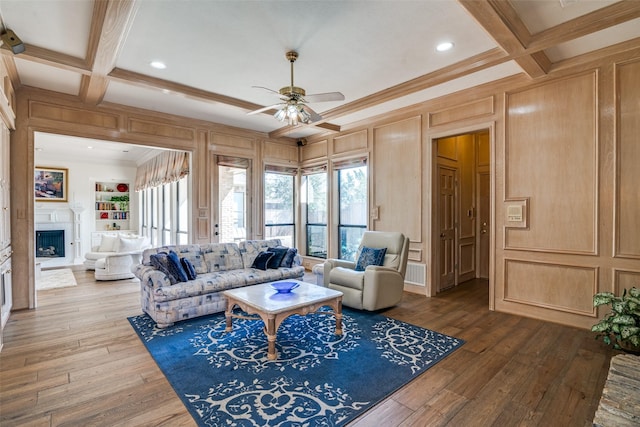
(112, 206)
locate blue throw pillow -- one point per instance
(370, 256)
(188, 268)
(175, 267)
(287, 261)
(262, 260)
(276, 259)
(161, 262)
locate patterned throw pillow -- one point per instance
(176, 268)
(161, 262)
(370, 256)
(276, 259)
(188, 268)
(287, 261)
(262, 260)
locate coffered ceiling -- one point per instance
(380, 54)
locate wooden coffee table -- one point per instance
(272, 307)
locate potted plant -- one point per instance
(122, 202)
(621, 326)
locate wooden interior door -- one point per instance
(447, 227)
(484, 223)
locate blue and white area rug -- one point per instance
(319, 378)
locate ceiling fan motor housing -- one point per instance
(292, 92)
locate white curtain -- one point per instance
(167, 167)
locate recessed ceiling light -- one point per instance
(89, 147)
(158, 65)
(442, 47)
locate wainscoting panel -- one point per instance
(628, 173)
(565, 288)
(155, 129)
(481, 107)
(279, 151)
(350, 142)
(237, 142)
(397, 187)
(625, 279)
(551, 157)
(76, 116)
(317, 150)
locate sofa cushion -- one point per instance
(188, 268)
(221, 257)
(347, 277)
(175, 267)
(276, 259)
(287, 261)
(251, 248)
(108, 243)
(161, 262)
(262, 260)
(370, 256)
(130, 244)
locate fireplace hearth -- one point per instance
(50, 244)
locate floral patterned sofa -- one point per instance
(219, 266)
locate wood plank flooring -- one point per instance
(76, 361)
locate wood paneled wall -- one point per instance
(44, 111)
(564, 146)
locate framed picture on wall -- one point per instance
(50, 184)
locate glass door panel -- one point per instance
(232, 204)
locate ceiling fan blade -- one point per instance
(324, 97)
(267, 89)
(314, 116)
(263, 109)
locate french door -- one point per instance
(231, 190)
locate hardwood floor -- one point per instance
(76, 361)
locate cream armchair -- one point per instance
(376, 287)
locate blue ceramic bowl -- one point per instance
(284, 287)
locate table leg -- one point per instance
(270, 331)
(228, 317)
(338, 313)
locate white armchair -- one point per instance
(376, 287)
(115, 255)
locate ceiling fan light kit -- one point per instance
(293, 108)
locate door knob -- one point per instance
(443, 235)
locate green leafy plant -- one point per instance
(124, 198)
(621, 326)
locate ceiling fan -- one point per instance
(293, 108)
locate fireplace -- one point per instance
(50, 244)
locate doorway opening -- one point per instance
(462, 208)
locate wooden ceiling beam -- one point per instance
(503, 24)
(43, 56)
(109, 25)
(595, 21)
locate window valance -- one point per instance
(350, 163)
(310, 170)
(284, 170)
(167, 167)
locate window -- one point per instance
(314, 199)
(279, 204)
(182, 197)
(165, 213)
(352, 206)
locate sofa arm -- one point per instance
(120, 260)
(330, 264)
(150, 276)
